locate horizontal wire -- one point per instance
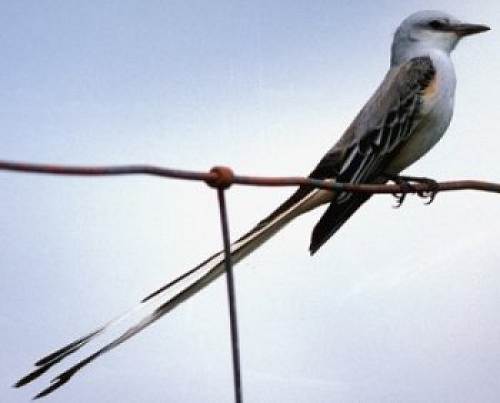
(213, 178)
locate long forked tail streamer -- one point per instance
(190, 283)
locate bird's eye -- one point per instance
(437, 24)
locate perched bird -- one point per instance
(405, 118)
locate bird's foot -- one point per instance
(401, 197)
(406, 183)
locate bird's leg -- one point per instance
(405, 181)
(426, 194)
(405, 185)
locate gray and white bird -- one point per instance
(408, 114)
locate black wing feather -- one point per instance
(373, 144)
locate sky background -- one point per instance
(400, 306)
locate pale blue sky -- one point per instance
(400, 306)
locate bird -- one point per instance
(405, 117)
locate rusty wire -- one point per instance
(215, 175)
(221, 178)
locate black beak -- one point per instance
(468, 29)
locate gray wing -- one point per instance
(384, 124)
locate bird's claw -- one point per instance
(401, 197)
(406, 185)
(428, 194)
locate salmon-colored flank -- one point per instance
(431, 88)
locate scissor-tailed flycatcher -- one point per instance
(407, 115)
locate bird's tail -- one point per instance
(166, 298)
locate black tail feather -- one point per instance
(197, 278)
(163, 309)
(50, 360)
(71, 346)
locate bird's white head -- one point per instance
(426, 31)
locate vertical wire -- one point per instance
(233, 320)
